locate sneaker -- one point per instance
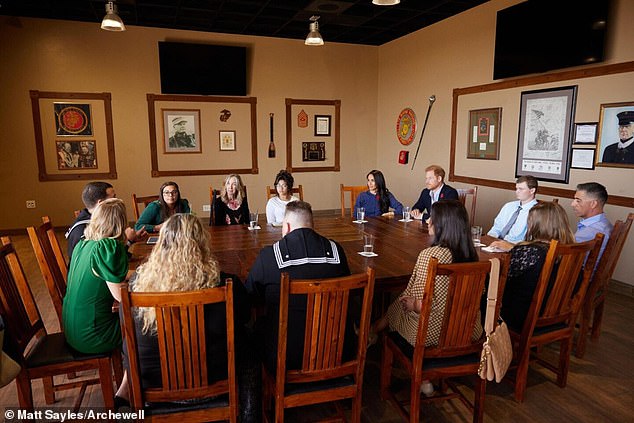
(427, 388)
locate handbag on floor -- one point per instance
(497, 350)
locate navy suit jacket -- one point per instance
(424, 201)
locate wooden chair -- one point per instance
(298, 191)
(43, 355)
(141, 200)
(594, 302)
(181, 337)
(213, 197)
(354, 191)
(456, 354)
(324, 376)
(51, 262)
(462, 196)
(552, 318)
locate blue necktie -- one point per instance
(510, 223)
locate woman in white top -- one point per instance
(276, 206)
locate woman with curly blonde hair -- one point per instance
(182, 261)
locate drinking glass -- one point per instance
(368, 243)
(361, 213)
(253, 219)
(476, 234)
(406, 212)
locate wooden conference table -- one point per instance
(396, 243)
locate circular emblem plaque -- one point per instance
(406, 126)
(73, 120)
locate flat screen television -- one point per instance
(542, 35)
(202, 69)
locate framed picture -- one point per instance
(616, 122)
(72, 119)
(181, 131)
(227, 140)
(313, 151)
(582, 158)
(546, 120)
(322, 125)
(73, 155)
(484, 134)
(585, 133)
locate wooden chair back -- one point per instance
(555, 305)
(51, 262)
(136, 201)
(462, 197)
(354, 191)
(180, 325)
(456, 341)
(297, 191)
(214, 195)
(26, 337)
(595, 296)
(325, 331)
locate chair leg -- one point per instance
(414, 405)
(386, 370)
(49, 389)
(597, 320)
(356, 409)
(564, 361)
(521, 377)
(25, 394)
(279, 409)
(117, 366)
(105, 378)
(582, 335)
(478, 401)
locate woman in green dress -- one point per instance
(99, 264)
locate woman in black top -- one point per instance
(231, 207)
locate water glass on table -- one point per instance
(253, 220)
(361, 213)
(368, 243)
(476, 234)
(406, 214)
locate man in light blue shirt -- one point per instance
(588, 205)
(511, 222)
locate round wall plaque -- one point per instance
(406, 126)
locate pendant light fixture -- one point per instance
(385, 2)
(314, 37)
(112, 21)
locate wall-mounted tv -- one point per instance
(542, 35)
(202, 69)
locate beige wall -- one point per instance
(458, 52)
(79, 57)
(373, 83)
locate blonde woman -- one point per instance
(182, 261)
(231, 208)
(99, 264)
(546, 221)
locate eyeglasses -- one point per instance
(170, 193)
(282, 185)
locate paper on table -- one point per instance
(479, 244)
(359, 221)
(254, 228)
(364, 254)
(493, 250)
(406, 220)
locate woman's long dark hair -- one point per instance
(178, 208)
(383, 194)
(452, 230)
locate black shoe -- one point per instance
(120, 402)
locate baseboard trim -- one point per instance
(621, 288)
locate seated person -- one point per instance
(588, 203)
(276, 206)
(378, 200)
(449, 225)
(302, 253)
(99, 264)
(510, 223)
(231, 207)
(546, 221)
(168, 204)
(435, 189)
(182, 261)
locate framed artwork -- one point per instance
(616, 123)
(406, 126)
(72, 119)
(76, 154)
(582, 158)
(227, 140)
(313, 151)
(322, 125)
(585, 133)
(484, 134)
(181, 131)
(546, 124)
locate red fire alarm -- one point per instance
(403, 157)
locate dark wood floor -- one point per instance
(599, 387)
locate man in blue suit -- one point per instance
(436, 190)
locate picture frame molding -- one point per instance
(576, 151)
(167, 115)
(475, 117)
(321, 120)
(221, 133)
(587, 124)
